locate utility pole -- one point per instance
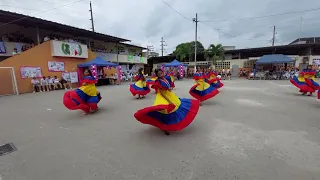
(195, 42)
(163, 43)
(274, 35)
(92, 24)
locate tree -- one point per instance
(215, 52)
(186, 50)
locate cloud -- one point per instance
(145, 21)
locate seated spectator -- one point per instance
(56, 83)
(50, 83)
(65, 83)
(44, 84)
(36, 85)
(15, 52)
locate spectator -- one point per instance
(64, 83)
(46, 39)
(115, 79)
(56, 83)
(44, 84)
(15, 51)
(36, 85)
(50, 83)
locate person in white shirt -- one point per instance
(51, 83)
(57, 83)
(115, 79)
(35, 83)
(46, 39)
(44, 84)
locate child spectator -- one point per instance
(50, 83)
(57, 82)
(44, 84)
(35, 83)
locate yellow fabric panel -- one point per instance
(309, 77)
(169, 95)
(89, 89)
(202, 86)
(301, 79)
(141, 84)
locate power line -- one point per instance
(41, 11)
(189, 19)
(266, 16)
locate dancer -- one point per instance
(212, 78)
(202, 90)
(168, 113)
(306, 81)
(151, 81)
(85, 97)
(139, 88)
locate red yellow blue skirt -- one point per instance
(151, 81)
(319, 94)
(139, 88)
(77, 99)
(169, 117)
(306, 86)
(203, 91)
(216, 83)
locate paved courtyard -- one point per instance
(252, 130)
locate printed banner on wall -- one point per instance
(67, 49)
(66, 76)
(74, 77)
(30, 72)
(2, 47)
(55, 66)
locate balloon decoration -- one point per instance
(181, 70)
(119, 73)
(94, 71)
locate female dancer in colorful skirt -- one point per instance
(168, 113)
(306, 81)
(212, 78)
(139, 88)
(202, 90)
(85, 97)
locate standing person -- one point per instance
(140, 87)
(169, 112)
(115, 78)
(202, 90)
(306, 81)
(86, 97)
(35, 84)
(44, 84)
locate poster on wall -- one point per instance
(55, 66)
(30, 72)
(74, 77)
(66, 76)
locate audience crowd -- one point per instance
(49, 84)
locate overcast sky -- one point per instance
(146, 21)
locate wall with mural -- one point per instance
(38, 56)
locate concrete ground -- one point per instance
(252, 130)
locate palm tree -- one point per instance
(214, 51)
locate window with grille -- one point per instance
(223, 65)
(121, 50)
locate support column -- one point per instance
(38, 35)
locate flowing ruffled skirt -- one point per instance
(169, 117)
(139, 88)
(305, 85)
(203, 91)
(77, 99)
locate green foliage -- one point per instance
(186, 50)
(214, 52)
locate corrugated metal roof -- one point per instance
(29, 21)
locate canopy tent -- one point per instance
(174, 63)
(98, 61)
(274, 59)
